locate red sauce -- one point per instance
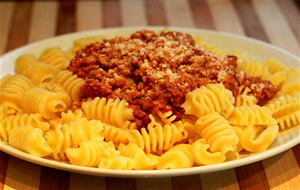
(154, 72)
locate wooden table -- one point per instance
(273, 21)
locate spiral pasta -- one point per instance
(257, 139)
(254, 68)
(251, 115)
(179, 156)
(47, 100)
(83, 42)
(117, 163)
(142, 160)
(291, 85)
(5, 78)
(71, 83)
(202, 156)
(30, 140)
(275, 66)
(7, 124)
(114, 112)
(70, 136)
(13, 89)
(205, 100)
(5, 111)
(159, 137)
(286, 110)
(246, 100)
(55, 57)
(89, 153)
(37, 72)
(116, 135)
(216, 130)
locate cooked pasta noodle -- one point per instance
(37, 72)
(47, 100)
(55, 57)
(71, 83)
(13, 89)
(30, 140)
(205, 100)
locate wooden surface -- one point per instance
(273, 21)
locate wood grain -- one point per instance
(227, 21)
(54, 179)
(178, 13)
(153, 183)
(252, 176)
(3, 168)
(89, 15)
(111, 14)
(155, 13)
(292, 14)
(282, 171)
(121, 184)
(19, 31)
(43, 20)
(18, 177)
(201, 14)
(186, 182)
(279, 32)
(6, 13)
(80, 182)
(133, 13)
(249, 20)
(220, 180)
(66, 17)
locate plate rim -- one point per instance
(5, 147)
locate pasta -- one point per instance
(286, 110)
(138, 103)
(30, 140)
(13, 121)
(205, 100)
(13, 89)
(110, 111)
(46, 99)
(71, 83)
(179, 156)
(55, 57)
(216, 130)
(37, 72)
(251, 115)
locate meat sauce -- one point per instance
(155, 72)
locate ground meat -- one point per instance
(154, 72)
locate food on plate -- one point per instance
(162, 100)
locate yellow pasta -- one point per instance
(55, 57)
(257, 139)
(13, 89)
(179, 156)
(117, 163)
(5, 78)
(158, 137)
(251, 115)
(202, 156)
(116, 135)
(71, 83)
(37, 72)
(89, 153)
(291, 85)
(46, 99)
(142, 160)
(114, 112)
(253, 68)
(216, 130)
(30, 140)
(8, 123)
(205, 100)
(286, 110)
(5, 111)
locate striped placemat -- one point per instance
(273, 21)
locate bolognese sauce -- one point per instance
(155, 72)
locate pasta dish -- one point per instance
(148, 101)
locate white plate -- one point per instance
(258, 50)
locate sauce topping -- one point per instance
(154, 72)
